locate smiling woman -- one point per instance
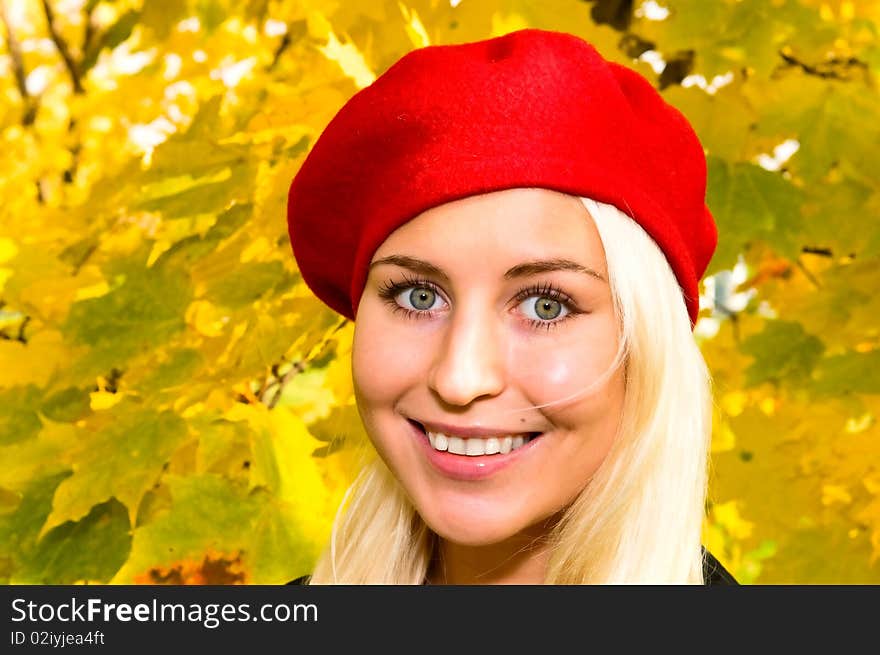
(517, 227)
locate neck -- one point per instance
(519, 560)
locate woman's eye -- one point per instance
(419, 298)
(543, 308)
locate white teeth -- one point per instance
(474, 447)
(456, 445)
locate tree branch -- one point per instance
(30, 103)
(63, 49)
(90, 33)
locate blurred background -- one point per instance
(175, 405)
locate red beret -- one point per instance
(532, 108)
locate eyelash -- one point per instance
(390, 290)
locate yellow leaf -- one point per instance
(348, 56)
(206, 318)
(219, 399)
(159, 247)
(123, 241)
(33, 363)
(733, 53)
(283, 462)
(734, 402)
(104, 399)
(768, 406)
(872, 484)
(318, 25)
(507, 23)
(714, 539)
(338, 378)
(727, 515)
(92, 291)
(723, 438)
(5, 274)
(415, 30)
(51, 296)
(860, 424)
(193, 410)
(255, 250)
(8, 249)
(237, 333)
(835, 493)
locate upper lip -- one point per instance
(469, 430)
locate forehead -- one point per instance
(507, 225)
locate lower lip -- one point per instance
(468, 468)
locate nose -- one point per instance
(470, 363)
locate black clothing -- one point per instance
(713, 573)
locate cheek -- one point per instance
(570, 372)
(385, 360)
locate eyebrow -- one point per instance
(525, 269)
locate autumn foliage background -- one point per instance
(175, 406)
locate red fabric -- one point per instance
(532, 108)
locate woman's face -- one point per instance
(473, 313)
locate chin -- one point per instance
(471, 531)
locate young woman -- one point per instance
(517, 227)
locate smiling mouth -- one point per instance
(476, 446)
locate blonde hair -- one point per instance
(639, 518)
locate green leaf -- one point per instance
(67, 405)
(140, 314)
(722, 121)
(247, 283)
(112, 37)
(836, 122)
(202, 195)
(341, 427)
(224, 446)
(750, 203)
(66, 554)
(20, 528)
(728, 35)
(18, 414)
(212, 14)
(122, 459)
(848, 373)
(41, 457)
(190, 249)
(783, 353)
(180, 368)
(214, 516)
(160, 16)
